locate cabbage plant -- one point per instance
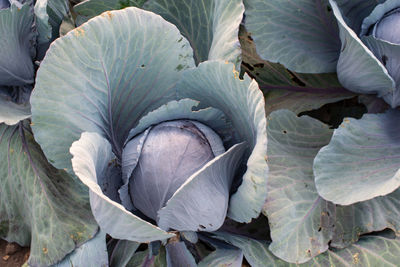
(355, 38)
(339, 183)
(164, 147)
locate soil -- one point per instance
(12, 255)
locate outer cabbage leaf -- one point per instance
(358, 69)
(365, 217)
(300, 226)
(91, 155)
(223, 257)
(211, 26)
(292, 190)
(300, 34)
(362, 160)
(92, 8)
(49, 15)
(284, 89)
(54, 216)
(11, 113)
(93, 253)
(17, 39)
(108, 81)
(369, 251)
(216, 84)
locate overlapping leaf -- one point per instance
(40, 206)
(370, 251)
(49, 15)
(284, 89)
(301, 34)
(210, 26)
(362, 160)
(17, 48)
(107, 81)
(302, 223)
(300, 226)
(92, 155)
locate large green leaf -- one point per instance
(358, 69)
(301, 221)
(92, 156)
(92, 253)
(223, 257)
(11, 113)
(49, 15)
(300, 34)
(103, 77)
(17, 39)
(92, 8)
(40, 206)
(370, 251)
(217, 84)
(362, 160)
(284, 89)
(300, 227)
(211, 26)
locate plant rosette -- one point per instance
(163, 146)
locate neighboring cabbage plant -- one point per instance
(26, 30)
(358, 39)
(327, 187)
(167, 149)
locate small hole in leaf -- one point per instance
(319, 229)
(284, 131)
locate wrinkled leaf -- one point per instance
(210, 26)
(92, 253)
(284, 89)
(54, 216)
(92, 8)
(300, 34)
(298, 230)
(362, 160)
(370, 251)
(11, 113)
(17, 39)
(108, 81)
(222, 258)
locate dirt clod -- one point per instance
(12, 248)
